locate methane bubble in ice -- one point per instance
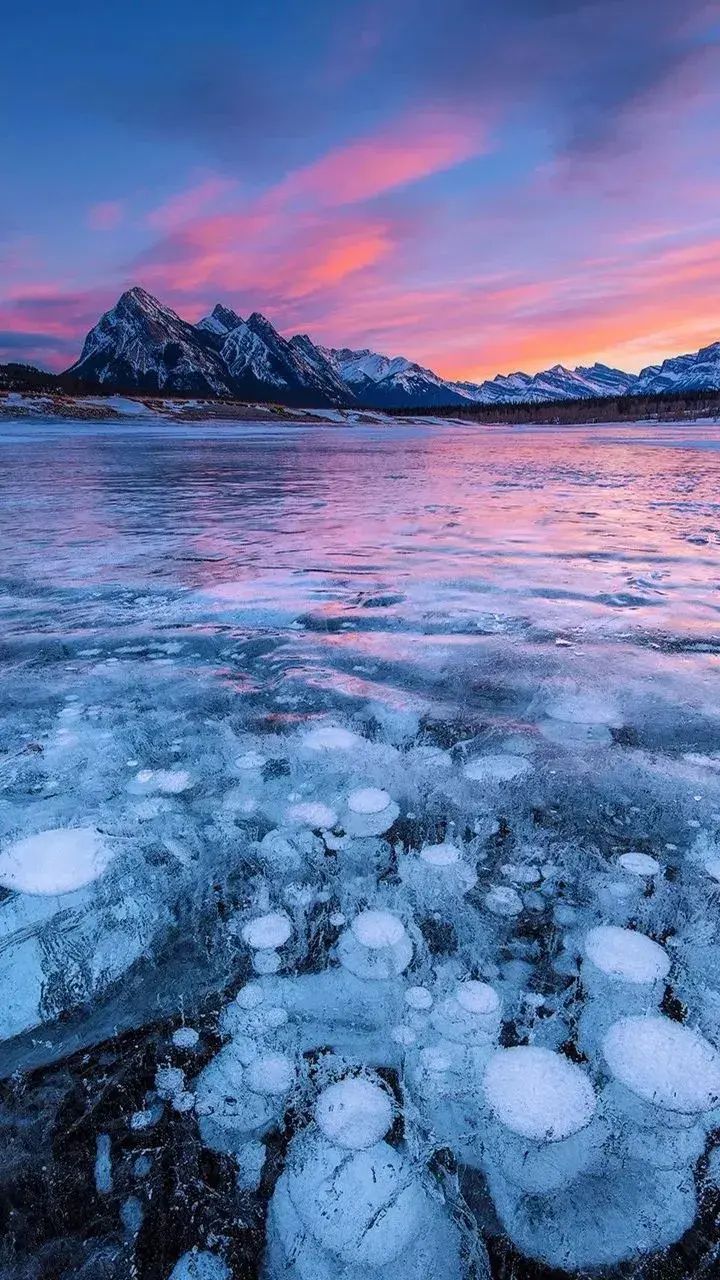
(55, 861)
(268, 931)
(639, 864)
(537, 1093)
(331, 737)
(664, 1063)
(314, 814)
(370, 811)
(375, 946)
(501, 900)
(500, 767)
(354, 1113)
(626, 954)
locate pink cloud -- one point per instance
(190, 204)
(105, 216)
(410, 149)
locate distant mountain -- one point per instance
(557, 383)
(699, 371)
(141, 345)
(382, 382)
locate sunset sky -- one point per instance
(479, 186)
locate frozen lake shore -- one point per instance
(359, 851)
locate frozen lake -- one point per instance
(377, 757)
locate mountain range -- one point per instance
(140, 345)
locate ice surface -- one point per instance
(344, 708)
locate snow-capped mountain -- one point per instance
(259, 361)
(699, 371)
(383, 382)
(220, 321)
(142, 345)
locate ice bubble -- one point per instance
(712, 867)
(200, 1265)
(55, 861)
(499, 767)
(664, 1062)
(250, 996)
(639, 864)
(418, 998)
(268, 931)
(501, 900)
(376, 946)
(169, 1081)
(403, 1035)
(626, 954)
(354, 1113)
(172, 781)
(521, 873)
(272, 1074)
(330, 737)
(471, 1014)
(376, 929)
(440, 855)
(368, 800)
(251, 760)
(183, 1101)
(314, 814)
(538, 1094)
(478, 997)
(185, 1038)
(584, 709)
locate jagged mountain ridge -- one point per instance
(143, 346)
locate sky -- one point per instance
(480, 186)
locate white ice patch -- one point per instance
(55, 861)
(537, 1093)
(267, 932)
(330, 737)
(354, 1113)
(497, 767)
(626, 954)
(665, 1063)
(639, 864)
(368, 800)
(313, 814)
